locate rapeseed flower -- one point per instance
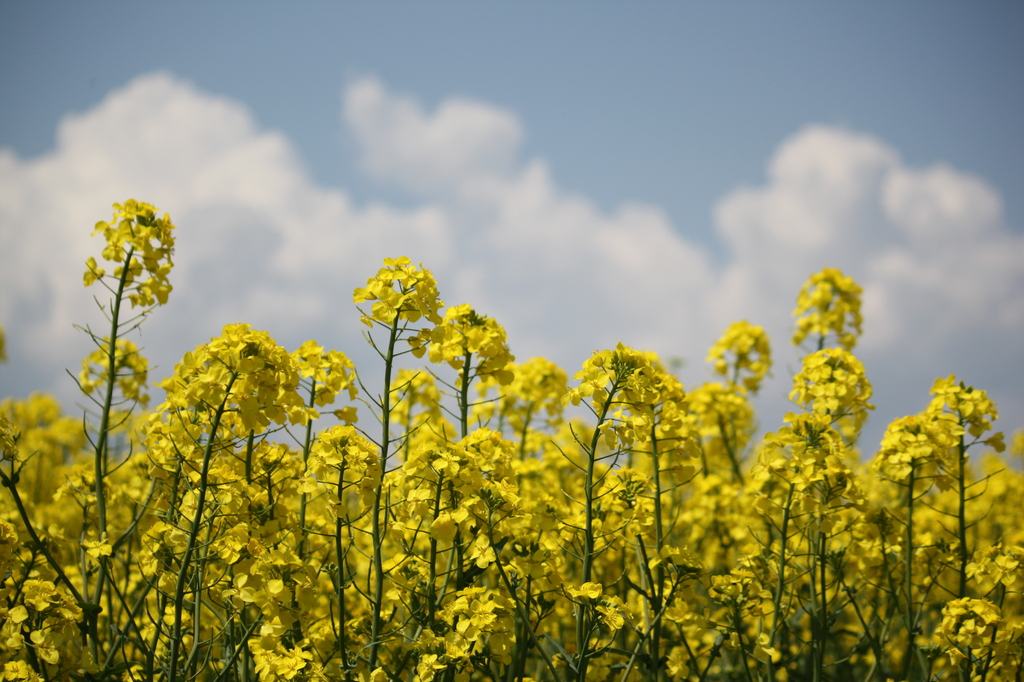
(141, 244)
(829, 303)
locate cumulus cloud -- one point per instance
(260, 242)
(463, 140)
(943, 277)
(562, 275)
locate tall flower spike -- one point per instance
(8, 439)
(464, 331)
(332, 371)
(400, 289)
(245, 370)
(130, 371)
(742, 355)
(136, 237)
(969, 408)
(833, 384)
(829, 302)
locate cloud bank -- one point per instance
(260, 242)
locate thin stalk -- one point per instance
(730, 450)
(179, 589)
(523, 614)
(908, 577)
(340, 555)
(101, 454)
(304, 498)
(10, 483)
(376, 527)
(432, 577)
(582, 625)
(780, 587)
(821, 635)
(962, 517)
(464, 393)
(303, 544)
(822, 566)
(657, 590)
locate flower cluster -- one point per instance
(329, 372)
(342, 459)
(141, 244)
(829, 303)
(463, 336)
(627, 377)
(968, 627)
(971, 411)
(130, 371)
(8, 439)
(244, 373)
(833, 385)
(400, 291)
(743, 355)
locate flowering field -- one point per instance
(275, 519)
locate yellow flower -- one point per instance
(444, 527)
(465, 333)
(636, 382)
(8, 439)
(246, 371)
(97, 548)
(833, 383)
(400, 290)
(610, 613)
(764, 652)
(971, 410)
(331, 371)
(920, 442)
(141, 244)
(829, 302)
(743, 349)
(968, 625)
(586, 591)
(343, 450)
(131, 370)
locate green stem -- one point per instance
(304, 498)
(738, 625)
(780, 587)
(464, 393)
(523, 614)
(100, 459)
(582, 621)
(101, 451)
(432, 601)
(908, 576)
(376, 527)
(340, 556)
(730, 449)
(657, 590)
(821, 636)
(962, 517)
(179, 589)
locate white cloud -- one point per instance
(943, 277)
(939, 204)
(463, 140)
(257, 241)
(260, 242)
(562, 276)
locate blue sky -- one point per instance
(624, 140)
